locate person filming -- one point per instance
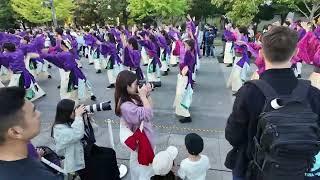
(74, 138)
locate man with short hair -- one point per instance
(19, 123)
(278, 47)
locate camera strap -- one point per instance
(89, 138)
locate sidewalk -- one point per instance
(215, 148)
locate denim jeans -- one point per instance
(210, 50)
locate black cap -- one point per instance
(194, 143)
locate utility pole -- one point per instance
(53, 11)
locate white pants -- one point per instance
(5, 74)
(228, 53)
(42, 70)
(153, 76)
(164, 63)
(64, 94)
(182, 82)
(235, 81)
(144, 56)
(34, 88)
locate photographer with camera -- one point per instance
(74, 138)
(133, 105)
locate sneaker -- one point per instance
(99, 71)
(93, 98)
(185, 120)
(91, 63)
(229, 65)
(111, 86)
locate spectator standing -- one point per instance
(278, 47)
(134, 105)
(163, 164)
(194, 167)
(209, 40)
(19, 123)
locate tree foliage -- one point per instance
(112, 9)
(35, 11)
(203, 9)
(164, 9)
(7, 16)
(241, 12)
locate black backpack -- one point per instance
(288, 134)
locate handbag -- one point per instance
(187, 97)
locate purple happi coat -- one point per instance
(132, 59)
(17, 66)
(66, 61)
(74, 45)
(163, 44)
(110, 49)
(90, 40)
(153, 51)
(190, 61)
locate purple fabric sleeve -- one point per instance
(32, 152)
(134, 115)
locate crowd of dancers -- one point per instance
(27, 56)
(240, 49)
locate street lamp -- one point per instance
(50, 3)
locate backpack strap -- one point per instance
(265, 88)
(300, 93)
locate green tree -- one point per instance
(159, 10)
(115, 9)
(7, 16)
(202, 9)
(35, 11)
(241, 12)
(87, 12)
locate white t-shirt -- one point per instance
(194, 170)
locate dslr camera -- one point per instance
(104, 106)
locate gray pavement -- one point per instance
(211, 106)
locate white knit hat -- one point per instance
(163, 161)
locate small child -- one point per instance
(163, 164)
(196, 165)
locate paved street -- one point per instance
(211, 106)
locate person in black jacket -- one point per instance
(278, 47)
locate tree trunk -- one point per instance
(125, 17)
(23, 25)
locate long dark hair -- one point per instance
(121, 95)
(134, 43)
(111, 38)
(166, 35)
(64, 110)
(190, 43)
